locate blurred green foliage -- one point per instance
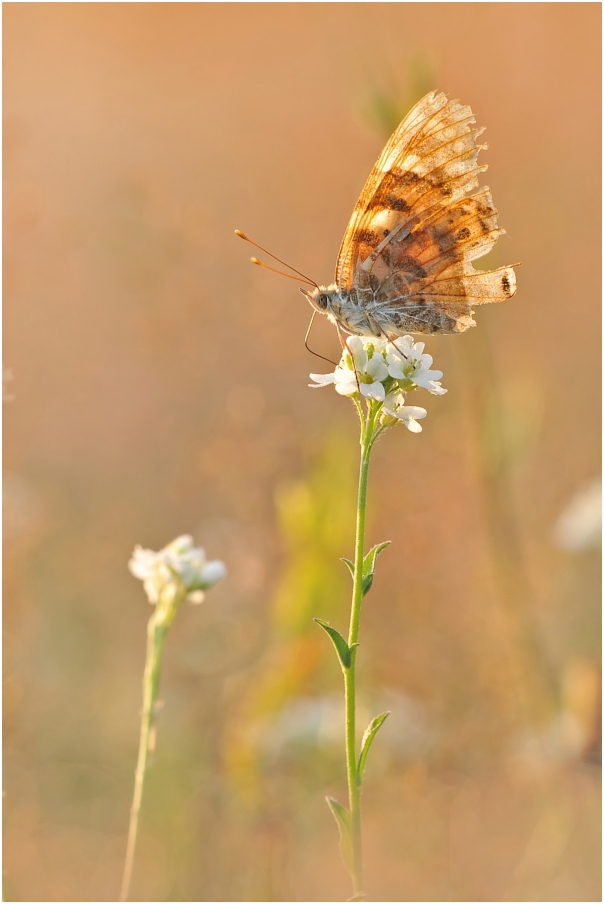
(316, 522)
(388, 102)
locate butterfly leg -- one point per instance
(391, 339)
(380, 331)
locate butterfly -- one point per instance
(405, 263)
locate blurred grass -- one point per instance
(316, 522)
(388, 101)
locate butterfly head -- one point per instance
(322, 298)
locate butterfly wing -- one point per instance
(416, 227)
(349, 249)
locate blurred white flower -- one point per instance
(303, 721)
(319, 721)
(7, 377)
(178, 571)
(23, 507)
(406, 361)
(579, 526)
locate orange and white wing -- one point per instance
(416, 227)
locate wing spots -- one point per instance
(437, 178)
(408, 265)
(505, 284)
(367, 237)
(440, 235)
(368, 284)
(389, 202)
(409, 178)
(462, 235)
(389, 193)
(391, 185)
(388, 186)
(446, 191)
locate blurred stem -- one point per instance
(354, 780)
(156, 633)
(534, 679)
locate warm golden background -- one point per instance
(159, 387)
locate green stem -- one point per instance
(354, 781)
(156, 632)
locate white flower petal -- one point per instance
(396, 371)
(321, 380)
(413, 411)
(212, 573)
(143, 562)
(376, 368)
(431, 386)
(355, 344)
(346, 389)
(373, 391)
(360, 360)
(344, 375)
(393, 401)
(180, 545)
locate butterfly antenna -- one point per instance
(242, 235)
(258, 263)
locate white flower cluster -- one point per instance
(178, 571)
(384, 372)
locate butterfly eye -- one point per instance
(323, 302)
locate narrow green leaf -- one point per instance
(349, 563)
(367, 582)
(342, 648)
(370, 733)
(369, 560)
(369, 565)
(342, 817)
